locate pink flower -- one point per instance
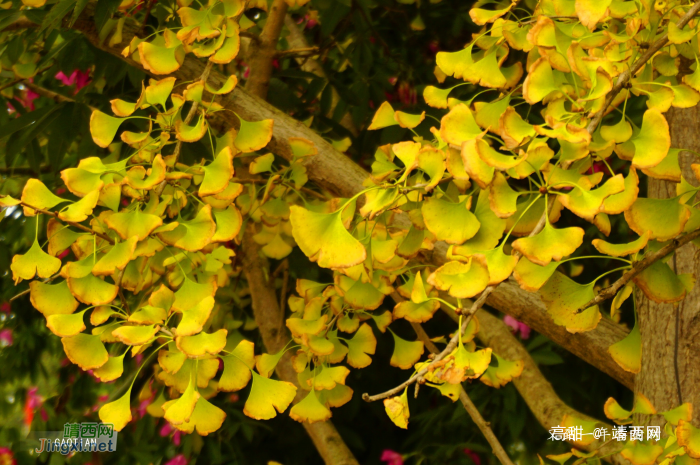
(177, 460)
(472, 455)
(63, 254)
(166, 430)
(517, 326)
(32, 403)
(77, 77)
(7, 457)
(5, 307)
(5, 338)
(391, 457)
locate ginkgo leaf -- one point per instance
(206, 418)
(52, 299)
(653, 141)
(262, 164)
(148, 315)
(116, 258)
(588, 203)
(495, 158)
(539, 82)
(237, 367)
(564, 297)
(683, 412)
(490, 231)
(268, 395)
(194, 318)
(481, 16)
(104, 128)
(513, 129)
(362, 343)
(136, 176)
(111, 370)
(187, 133)
(37, 195)
(406, 353)
(161, 60)
(661, 284)
(35, 262)
(91, 290)
(664, 219)
(619, 133)
(531, 276)
(217, 174)
(474, 363)
(459, 125)
(384, 117)
(408, 121)
(621, 250)
(323, 238)
(500, 265)
(416, 313)
(628, 352)
(590, 12)
(689, 438)
(397, 409)
(202, 344)
(135, 335)
(329, 377)
(192, 293)
(450, 222)
(432, 162)
(502, 198)
(642, 454)
(133, 223)
(179, 411)
(85, 350)
(435, 97)
(253, 135)
(310, 409)
(192, 235)
(618, 203)
(478, 170)
(550, 244)
(118, 412)
(505, 372)
(462, 280)
(228, 224)
(66, 325)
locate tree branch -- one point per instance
(75, 225)
(469, 406)
(263, 52)
(626, 75)
(610, 291)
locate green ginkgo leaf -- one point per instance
(116, 258)
(362, 343)
(664, 219)
(323, 238)
(539, 82)
(117, 413)
(490, 230)
(268, 395)
(500, 265)
(253, 135)
(262, 164)
(310, 409)
(406, 353)
(35, 262)
(628, 352)
(217, 174)
(588, 203)
(462, 280)
(450, 222)
(661, 284)
(531, 276)
(550, 244)
(643, 453)
(85, 350)
(36, 194)
(621, 250)
(192, 293)
(564, 297)
(161, 60)
(135, 335)
(192, 235)
(505, 372)
(103, 128)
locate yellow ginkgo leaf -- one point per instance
(362, 343)
(179, 411)
(192, 235)
(459, 125)
(628, 352)
(117, 413)
(104, 127)
(550, 244)
(133, 223)
(237, 367)
(202, 344)
(663, 219)
(217, 174)
(66, 325)
(323, 238)
(194, 318)
(268, 395)
(35, 262)
(52, 299)
(91, 290)
(36, 194)
(111, 370)
(450, 222)
(116, 258)
(502, 374)
(564, 297)
(310, 409)
(384, 117)
(85, 350)
(590, 12)
(621, 250)
(135, 335)
(161, 60)
(397, 409)
(462, 280)
(689, 438)
(653, 141)
(206, 418)
(406, 353)
(253, 135)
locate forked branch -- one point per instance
(646, 262)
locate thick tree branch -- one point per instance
(336, 173)
(610, 291)
(469, 406)
(626, 75)
(263, 52)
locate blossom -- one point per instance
(7, 457)
(391, 457)
(517, 326)
(77, 77)
(5, 307)
(167, 429)
(5, 338)
(472, 455)
(177, 460)
(32, 403)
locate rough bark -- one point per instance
(261, 53)
(338, 174)
(670, 373)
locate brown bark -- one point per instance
(338, 174)
(670, 373)
(261, 53)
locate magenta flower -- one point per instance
(5, 338)
(472, 455)
(7, 457)
(177, 460)
(78, 78)
(517, 326)
(5, 307)
(166, 430)
(391, 457)
(32, 403)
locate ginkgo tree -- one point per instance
(195, 185)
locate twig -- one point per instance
(297, 51)
(469, 406)
(646, 262)
(75, 225)
(283, 292)
(263, 52)
(249, 35)
(55, 96)
(626, 75)
(146, 17)
(10, 84)
(193, 110)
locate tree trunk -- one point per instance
(670, 373)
